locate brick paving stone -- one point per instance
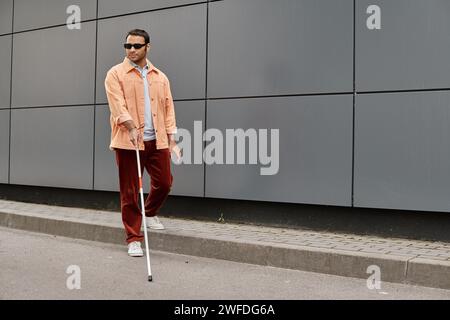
(330, 246)
(369, 250)
(421, 251)
(349, 248)
(424, 256)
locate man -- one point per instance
(142, 116)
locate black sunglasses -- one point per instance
(135, 45)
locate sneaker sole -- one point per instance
(136, 254)
(156, 228)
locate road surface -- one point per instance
(41, 266)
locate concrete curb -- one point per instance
(428, 273)
(398, 269)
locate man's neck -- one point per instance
(141, 63)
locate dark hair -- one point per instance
(139, 32)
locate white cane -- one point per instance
(141, 192)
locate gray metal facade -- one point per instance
(363, 114)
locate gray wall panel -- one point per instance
(5, 71)
(105, 169)
(411, 49)
(4, 145)
(52, 147)
(178, 39)
(32, 14)
(315, 149)
(402, 152)
(264, 47)
(6, 13)
(54, 67)
(188, 178)
(116, 7)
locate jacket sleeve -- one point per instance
(170, 121)
(116, 100)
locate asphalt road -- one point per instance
(40, 266)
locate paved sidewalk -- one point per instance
(425, 263)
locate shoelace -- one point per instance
(154, 220)
(135, 246)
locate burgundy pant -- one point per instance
(157, 164)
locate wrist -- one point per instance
(129, 125)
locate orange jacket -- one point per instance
(125, 92)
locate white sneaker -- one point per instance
(154, 223)
(134, 249)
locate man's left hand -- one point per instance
(173, 147)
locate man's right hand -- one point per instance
(135, 136)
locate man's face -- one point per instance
(134, 54)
